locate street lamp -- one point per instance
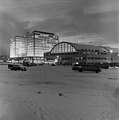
(111, 51)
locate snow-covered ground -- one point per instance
(58, 93)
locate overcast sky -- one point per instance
(83, 21)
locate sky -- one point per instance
(83, 21)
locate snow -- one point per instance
(34, 94)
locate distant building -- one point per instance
(18, 46)
(67, 52)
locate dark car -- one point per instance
(17, 67)
(75, 67)
(10, 65)
(89, 68)
(26, 63)
(103, 65)
(114, 64)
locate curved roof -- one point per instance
(78, 46)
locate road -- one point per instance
(34, 94)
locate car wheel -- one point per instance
(96, 71)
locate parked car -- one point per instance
(17, 67)
(75, 67)
(103, 65)
(26, 63)
(89, 68)
(10, 65)
(114, 64)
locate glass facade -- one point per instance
(12, 48)
(40, 42)
(63, 48)
(34, 44)
(18, 46)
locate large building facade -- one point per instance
(40, 42)
(18, 46)
(74, 52)
(33, 45)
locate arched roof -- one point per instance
(78, 46)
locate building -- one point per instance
(33, 46)
(67, 52)
(40, 42)
(18, 47)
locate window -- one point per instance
(63, 48)
(68, 48)
(84, 58)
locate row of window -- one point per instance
(97, 58)
(39, 35)
(81, 58)
(63, 48)
(90, 50)
(74, 53)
